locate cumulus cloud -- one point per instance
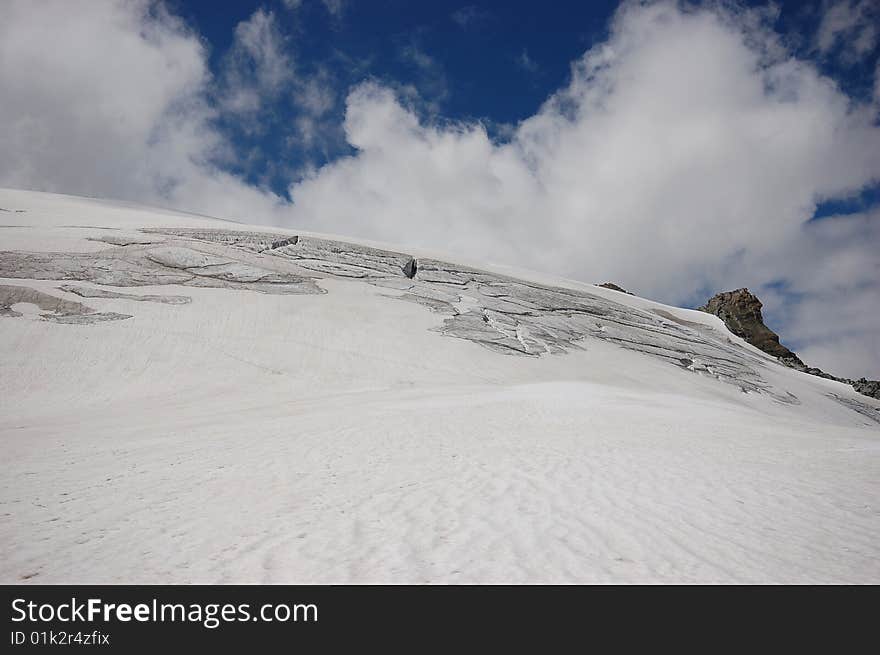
(686, 155)
(112, 99)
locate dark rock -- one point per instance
(867, 387)
(795, 363)
(411, 268)
(613, 287)
(741, 312)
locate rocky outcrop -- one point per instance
(613, 287)
(741, 312)
(867, 387)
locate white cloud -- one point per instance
(830, 308)
(334, 7)
(527, 63)
(316, 95)
(686, 153)
(432, 85)
(257, 68)
(110, 99)
(316, 127)
(469, 16)
(851, 25)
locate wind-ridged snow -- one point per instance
(289, 407)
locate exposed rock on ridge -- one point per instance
(741, 312)
(614, 287)
(867, 387)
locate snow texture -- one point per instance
(288, 407)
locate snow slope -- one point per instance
(184, 399)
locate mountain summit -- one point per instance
(741, 312)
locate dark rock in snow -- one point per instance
(867, 387)
(614, 287)
(741, 312)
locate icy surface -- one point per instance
(284, 407)
(15, 299)
(87, 292)
(130, 266)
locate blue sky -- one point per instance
(676, 148)
(491, 61)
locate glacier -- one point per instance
(193, 400)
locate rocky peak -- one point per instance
(867, 387)
(741, 312)
(613, 287)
